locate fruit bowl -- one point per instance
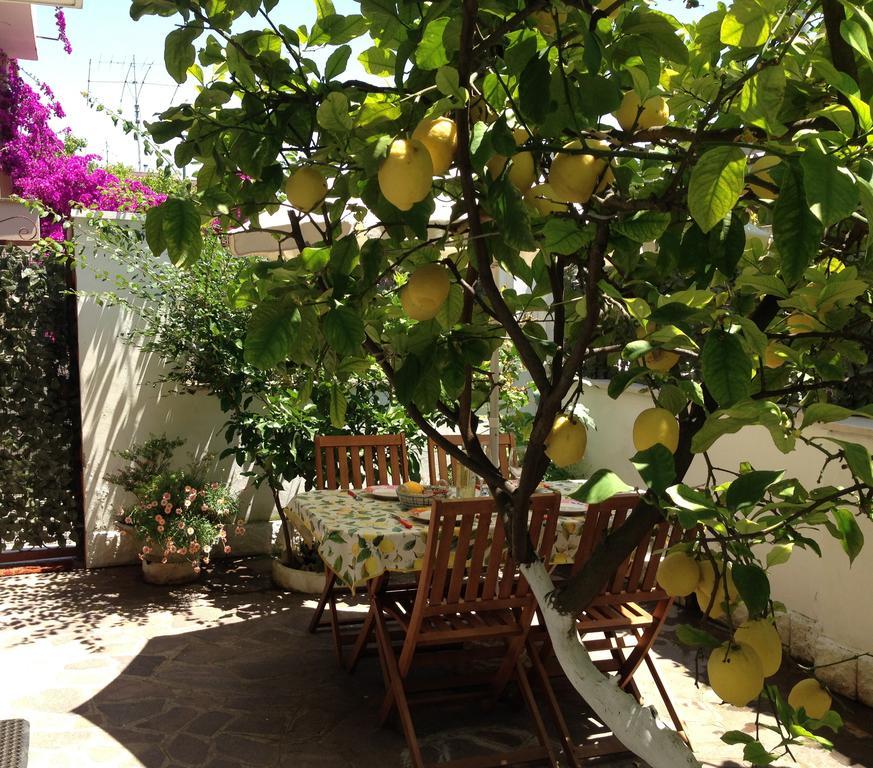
(408, 500)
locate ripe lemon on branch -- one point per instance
(406, 173)
(542, 198)
(653, 426)
(735, 673)
(440, 136)
(573, 177)
(305, 189)
(521, 173)
(761, 635)
(426, 291)
(567, 440)
(810, 695)
(678, 574)
(655, 112)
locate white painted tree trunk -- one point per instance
(635, 726)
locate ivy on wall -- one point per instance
(38, 405)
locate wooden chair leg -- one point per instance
(665, 697)
(362, 640)
(335, 628)
(329, 583)
(542, 678)
(530, 700)
(396, 695)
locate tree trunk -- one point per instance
(634, 725)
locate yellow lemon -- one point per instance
(426, 291)
(566, 441)
(759, 168)
(386, 546)
(772, 358)
(735, 673)
(660, 360)
(410, 486)
(703, 599)
(655, 112)
(543, 199)
(656, 425)
(305, 189)
(406, 174)
(678, 574)
(810, 695)
(371, 565)
(763, 637)
(573, 177)
(707, 580)
(800, 322)
(440, 136)
(521, 173)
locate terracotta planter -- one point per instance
(307, 582)
(178, 572)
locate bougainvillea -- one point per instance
(61, 24)
(33, 156)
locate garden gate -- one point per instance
(41, 509)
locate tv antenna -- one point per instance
(131, 87)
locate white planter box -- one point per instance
(307, 582)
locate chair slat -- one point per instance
(339, 460)
(438, 460)
(356, 470)
(460, 571)
(342, 457)
(444, 532)
(394, 460)
(331, 468)
(369, 465)
(383, 474)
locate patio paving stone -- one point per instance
(223, 674)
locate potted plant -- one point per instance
(179, 518)
(299, 567)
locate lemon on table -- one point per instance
(735, 673)
(810, 695)
(761, 635)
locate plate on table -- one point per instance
(572, 507)
(383, 492)
(422, 514)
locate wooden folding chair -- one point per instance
(469, 591)
(624, 620)
(353, 461)
(438, 461)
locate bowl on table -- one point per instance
(416, 495)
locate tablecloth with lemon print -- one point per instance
(361, 538)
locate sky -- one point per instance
(106, 42)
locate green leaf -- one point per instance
(623, 379)
(450, 311)
(315, 259)
(656, 467)
(337, 62)
(154, 230)
(272, 330)
(779, 554)
(850, 535)
(431, 51)
(753, 586)
(181, 230)
(333, 113)
(796, 232)
(748, 489)
(533, 89)
(378, 61)
(737, 737)
(730, 420)
(179, 52)
(716, 184)
(511, 215)
(643, 226)
(602, 485)
(858, 459)
(659, 31)
(853, 33)
(755, 753)
(827, 412)
(696, 638)
(344, 331)
(564, 236)
(337, 407)
(832, 195)
(727, 369)
(746, 24)
(448, 83)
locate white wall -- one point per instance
(122, 404)
(826, 589)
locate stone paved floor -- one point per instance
(112, 672)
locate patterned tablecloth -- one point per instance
(361, 538)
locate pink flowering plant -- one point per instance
(177, 515)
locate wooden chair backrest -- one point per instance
(634, 580)
(488, 577)
(356, 461)
(438, 461)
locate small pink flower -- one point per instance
(226, 549)
(187, 488)
(160, 529)
(182, 551)
(195, 547)
(146, 550)
(207, 549)
(178, 510)
(187, 503)
(159, 519)
(128, 520)
(180, 525)
(214, 486)
(190, 531)
(239, 530)
(164, 560)
(165, 496)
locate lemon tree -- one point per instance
(684, 196)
